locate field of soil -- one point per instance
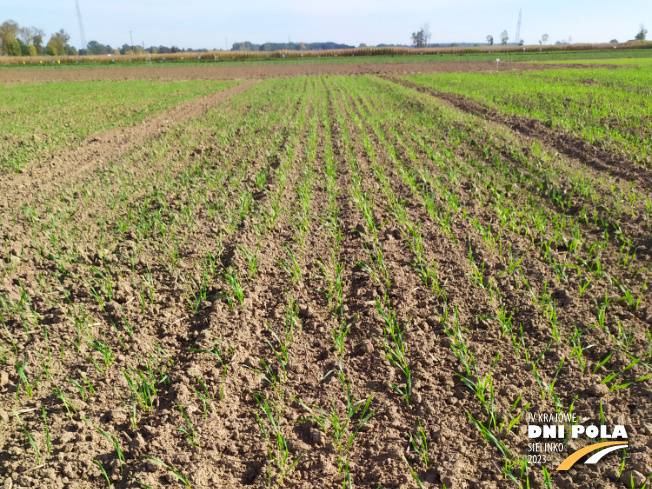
(319, 281)
(254, 72)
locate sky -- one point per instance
(217, 24)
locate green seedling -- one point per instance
(268, 376)
(205, 396)
(291, 265)
(143, 387)
(251, 258)
(231, 278)
(197, 293)
(56, 390)
(292, 320)
(82, 391)
(419, 443)
(47, 431)
(116, 445)
(281, 354)
(22, 378)
(277, 450)
(339, 336)
(190, 432)
(33, 445)
(414, 474)
(184, 479)
(103, 471)
(394, 346)
(223, 353)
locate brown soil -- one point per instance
(198, 169)
(256, 72)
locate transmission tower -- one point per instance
(81, 26)
(518, 27)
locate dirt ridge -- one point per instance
(261, 71)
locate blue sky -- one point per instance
(205, 23)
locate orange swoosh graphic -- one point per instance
(574, 457)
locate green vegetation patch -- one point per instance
(608, 108)
(38, 119)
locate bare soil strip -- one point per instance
(100, 149)
(168, 73)
(601, 160)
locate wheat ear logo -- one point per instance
(608, 446)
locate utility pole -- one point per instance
(132, 39)
(226, 44)
(81, 26)
(518, 28)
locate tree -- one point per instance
(27, 34)
(418, 39)
(24, 49)
(11, 46)
(37, 41)
(8, 27)
(58, 43)
(613, 41)
(504, 37)
(490, 40)
(32, 50)
(24, 34)
(642, 34)
(544, 39)
(8, 31)
(96, 48)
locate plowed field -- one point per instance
(321, 282)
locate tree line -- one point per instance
(30, 41)
(95, 48)
(421, 37)
(288, 46)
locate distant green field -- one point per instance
(489, 55)
(36, 119)
(635, 62)
(610, 108)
